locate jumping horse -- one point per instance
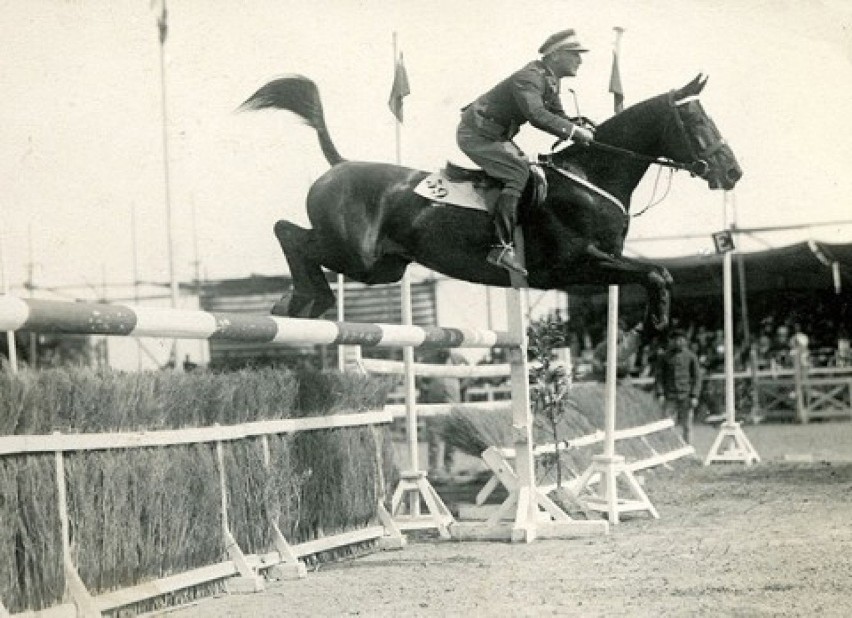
(368, 224)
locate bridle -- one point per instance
(698, 164)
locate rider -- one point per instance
(489, 123)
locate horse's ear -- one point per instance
(694, 87)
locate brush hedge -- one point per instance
(472, 431)
(141, 514)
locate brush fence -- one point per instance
(498, 458)
(86, 318)
(243, 572)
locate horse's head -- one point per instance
(692, 137)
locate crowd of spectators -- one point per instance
(778, 323)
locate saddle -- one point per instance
(473, 188)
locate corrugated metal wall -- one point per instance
(257, 295)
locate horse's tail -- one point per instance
(297, 94)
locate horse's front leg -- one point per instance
(657, 281)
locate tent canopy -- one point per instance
(804, 266)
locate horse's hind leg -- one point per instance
(621, 270)
(311, 295)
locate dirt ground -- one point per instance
(773, 539)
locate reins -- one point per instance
(696, 167)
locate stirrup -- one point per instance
(503, 255)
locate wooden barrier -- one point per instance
(242, 571)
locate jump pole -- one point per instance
(609, 466)
(738, 448)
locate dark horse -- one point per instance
(369, 225)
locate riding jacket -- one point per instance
(530, 94)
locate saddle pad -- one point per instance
(438, 188)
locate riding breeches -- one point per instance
(502, 160)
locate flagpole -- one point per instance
(414, 481)
(408, 351)
(398, 123)
(162, 26)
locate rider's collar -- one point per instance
(548, 71)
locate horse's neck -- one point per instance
(617, 175)
(637, 129)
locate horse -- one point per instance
(369, 225)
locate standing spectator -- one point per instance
(678, 382)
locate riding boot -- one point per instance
(505, 219)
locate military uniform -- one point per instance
(678, 380)
(489, 123)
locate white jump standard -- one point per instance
(528, 503)
(608, 465)
(737, 447)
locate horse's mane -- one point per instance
(636, 114)
(621, 129)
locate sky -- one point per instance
(82, 162)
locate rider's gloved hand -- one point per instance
(582, 135)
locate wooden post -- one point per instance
(289, 567)
(521, 417)
(74, 586)
(800, 378)
(10, 334)
(341, 317)
(755, 385)
(247, 580)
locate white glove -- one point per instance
(582, 135)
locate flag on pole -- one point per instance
(399, 90)
(159, 7)
(615, 75)
(615, 83)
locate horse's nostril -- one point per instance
(734, 174)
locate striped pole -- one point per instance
(50, 316)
